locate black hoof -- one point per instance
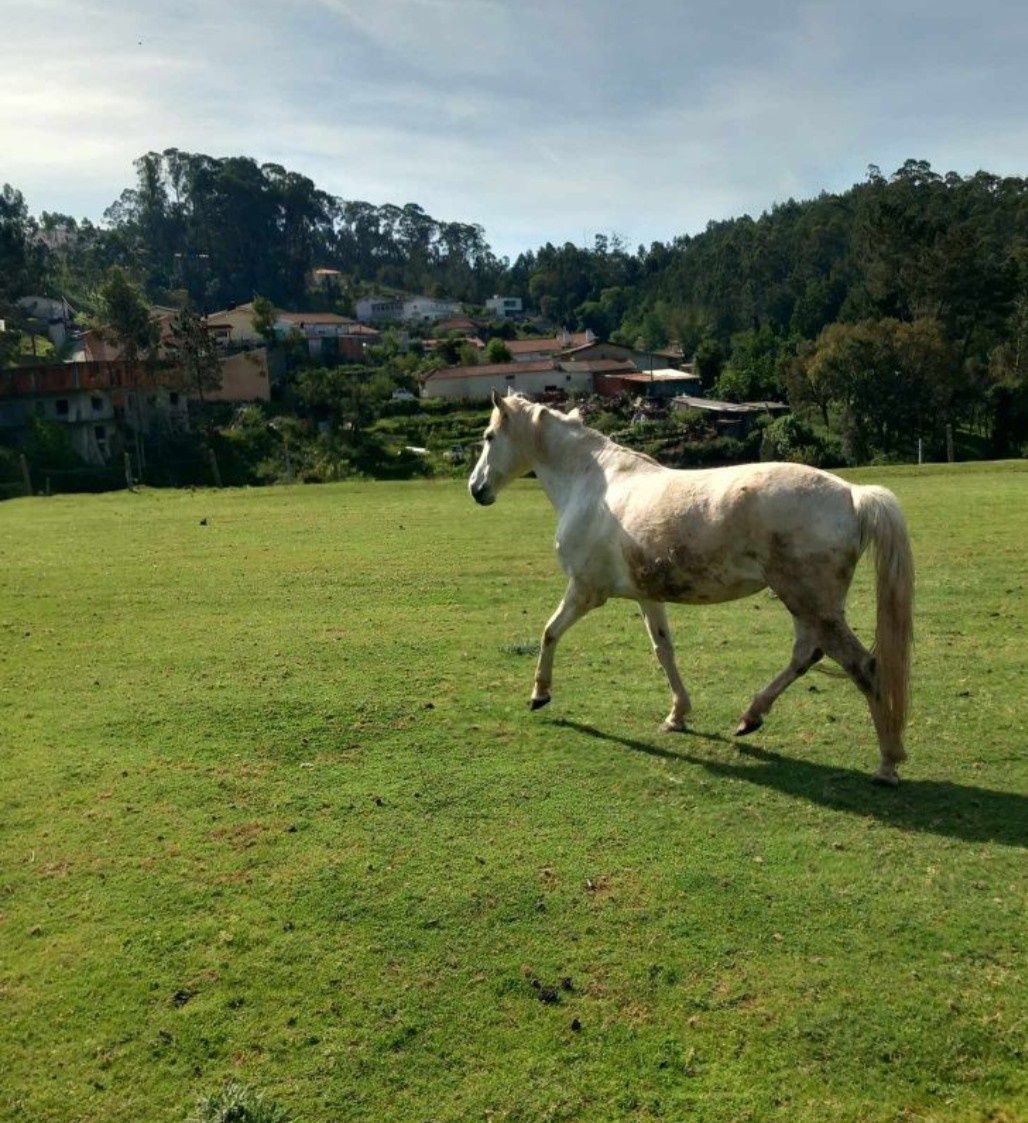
(748, 725)
(538, 703)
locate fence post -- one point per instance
(129, 482)
(25, 477)
(949, 444)
(215, 470)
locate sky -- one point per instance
(541, 121)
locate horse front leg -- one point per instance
(576, 603)
(655, 616)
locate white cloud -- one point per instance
(542, 122)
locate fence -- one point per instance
(201, 470)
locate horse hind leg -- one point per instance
(843, 646)
(805, 653)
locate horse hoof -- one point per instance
(670, 726)
(886, 778)
(748, 725)
(538, 703)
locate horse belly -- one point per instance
(681, 576)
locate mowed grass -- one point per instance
(273, 808)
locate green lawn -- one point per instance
(273, 809)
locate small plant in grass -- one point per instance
(235, 1103)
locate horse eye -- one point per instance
(488, 437)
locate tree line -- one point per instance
(890, 313)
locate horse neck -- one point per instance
(563, 459)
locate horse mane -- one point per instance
(538, 410)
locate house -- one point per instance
(234, 326)
(504, 306)
(538, 378)
(655, 385)
(736, 418)
(245, 377)
(327, 334)
(658, 359)
(543, 347)
(96, 401)
(459, 324)
(379, 309)
(54, 314)
(476, 384)
(412, 310)
(428, 310)
(328, 280)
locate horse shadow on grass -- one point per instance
(940, 807)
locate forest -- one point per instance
(890, 313)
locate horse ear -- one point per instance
(497, 400)
(574, 414)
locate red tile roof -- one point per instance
(529, 346)
(313, 318)
(537, 366)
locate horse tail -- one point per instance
(882, 525)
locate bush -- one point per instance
(791, 439)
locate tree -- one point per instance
(264, 318)
(891, 380)
(193, 350)
(497, 351)
(123, 317)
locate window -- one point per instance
(96, 403)
(61, 407)
(509, 377)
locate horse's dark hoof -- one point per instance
(748, 725)
(538, 703)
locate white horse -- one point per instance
(629, 527)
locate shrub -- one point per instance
(791, 439)
(235, 1103)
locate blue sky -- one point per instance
(542, 121)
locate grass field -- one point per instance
(273, 809)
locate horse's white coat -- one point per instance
(628, 527)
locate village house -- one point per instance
(459, 324)
(654, 385)
(53, 314)
(548, 347)
(95, 401)
(245, 374)
(328, 335)
(410, 310)
(504, 306)
(234, 326)
(541, 378)
(658, 359)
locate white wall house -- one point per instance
(379, 309)
(55, 312)
(427, 310)
(504, 306)
(476, 384)
(414, 310)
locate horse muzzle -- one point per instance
(482, 495)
